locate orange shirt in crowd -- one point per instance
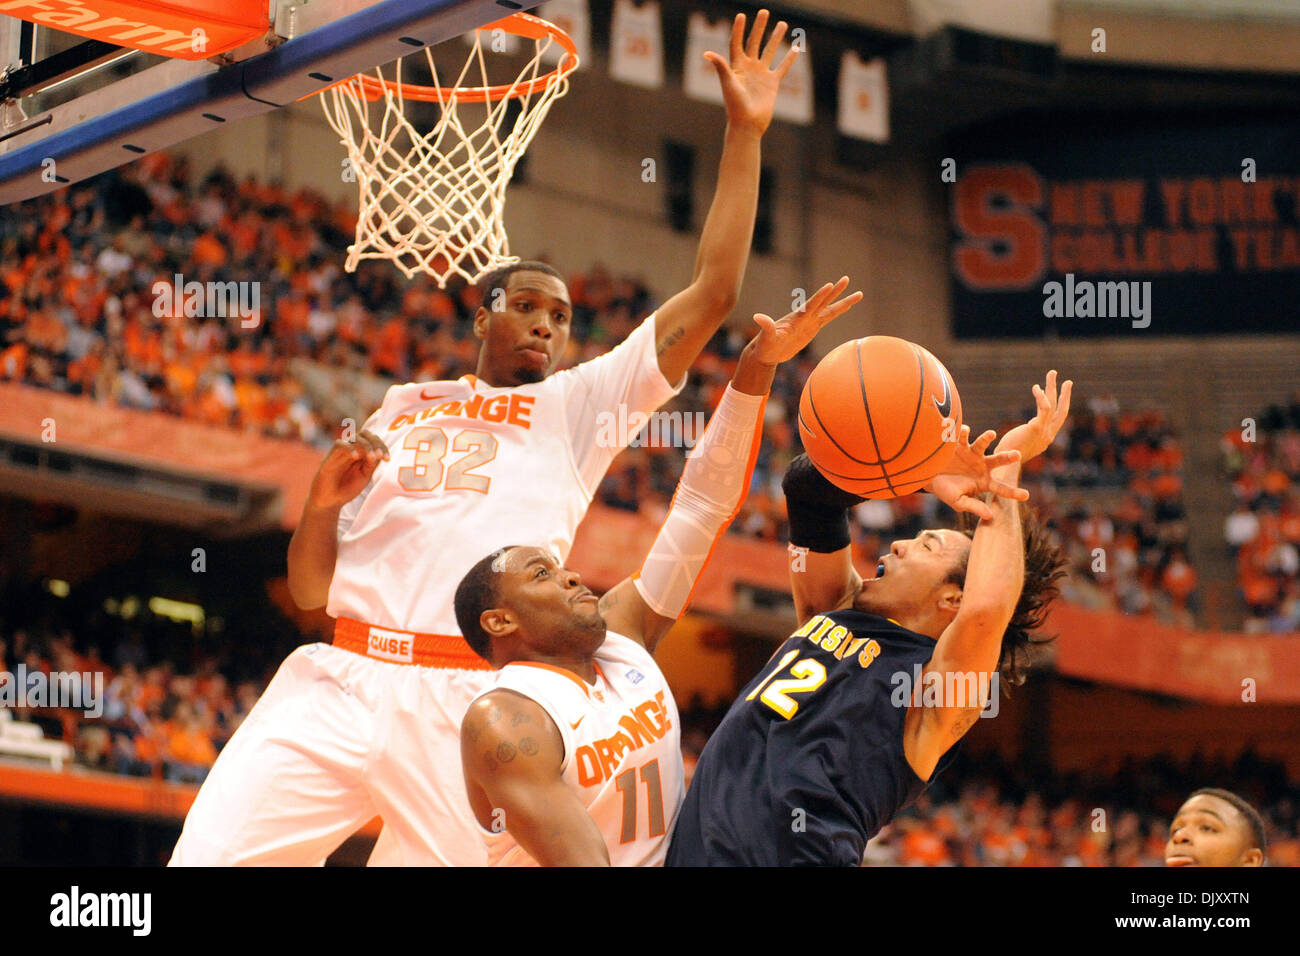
(191, 746)
(921, 846)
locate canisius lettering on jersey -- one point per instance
(808, 763)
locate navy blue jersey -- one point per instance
(808, 764)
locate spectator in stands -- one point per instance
(188, 753)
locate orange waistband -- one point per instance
(404, 647)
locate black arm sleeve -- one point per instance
(818, 520)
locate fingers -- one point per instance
(836, 309)
(737, 37)
(1041, 401)
(826, 293)
(982, 443)
(765, 322)
(1002, 458)
(374, 444)
(788, 61)
(1004, 490)
(819, 298)
(1063, 406)
(719, 64)
(756, 34)
(773, 44)
(973, 506)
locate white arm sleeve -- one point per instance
(609, 398)
(709, 495)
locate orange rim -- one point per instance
(524, 25)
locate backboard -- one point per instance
(71, 107)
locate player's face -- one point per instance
(558, 614)
(1210, 831)
(525, 329)
(912, 574)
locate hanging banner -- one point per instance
(1133, 224)
(698, 75)
(572, 17)
(864, 98)
(636, 44)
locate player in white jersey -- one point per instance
(443, 470)
(574, 755)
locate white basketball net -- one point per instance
(434, 201)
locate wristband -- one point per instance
(817, 508)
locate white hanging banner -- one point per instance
(636, 44)
(864, 98)
(794, 100)
(572, 17)
(698, 75)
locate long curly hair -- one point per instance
(1045, 565)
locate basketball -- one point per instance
(879, 416)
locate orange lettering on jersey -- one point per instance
(850, 648)
(620, 743)
(510, 409)
(869, 653)
(663, 712)
(521, 406)
(640, 734)
(645, 714)
(608, 761)
(588, 768)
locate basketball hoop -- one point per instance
(434, 201)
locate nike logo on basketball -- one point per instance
(945, 407)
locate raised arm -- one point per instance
(511, 753)
(716, 477)
(314, 548)
(995, 576)
(685, 323)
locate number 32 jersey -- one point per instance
(473, 468)
(622, 749)
(808, 763)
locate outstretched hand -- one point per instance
(749, 82)
(781, 339)
(1036, 435)
(970, 473)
